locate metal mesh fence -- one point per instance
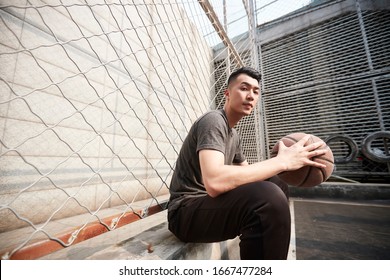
(96, 99)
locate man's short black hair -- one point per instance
(253, 73)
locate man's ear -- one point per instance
(227, 93)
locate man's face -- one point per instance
(243, 94)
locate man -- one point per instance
(216, 195)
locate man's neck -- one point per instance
(232, 117)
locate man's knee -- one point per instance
(266, 199)
(267, 192)
(276, 204)
(282, 185)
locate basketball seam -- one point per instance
(307, 176)
(289, 137)
(323, 174)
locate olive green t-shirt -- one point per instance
(211, 131)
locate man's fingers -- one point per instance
(317, 164)
(316, 152)
(312, 146)
(281, 144)
(304, 139)
(315, 145)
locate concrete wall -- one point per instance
(94, 104)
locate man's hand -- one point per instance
(299, 155)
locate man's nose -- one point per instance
(250, 95)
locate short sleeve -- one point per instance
(211, 133)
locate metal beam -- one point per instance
(209, 11)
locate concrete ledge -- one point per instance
(148, 238)
(159, 243)
(344, 191)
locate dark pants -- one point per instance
(257, 212)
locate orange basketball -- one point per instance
(307, 176)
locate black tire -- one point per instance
(369, 152)
(353, 147)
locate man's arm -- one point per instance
(219, 178)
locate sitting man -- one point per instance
(216, 195)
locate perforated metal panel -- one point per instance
(332, 78)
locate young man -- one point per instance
(216, 195)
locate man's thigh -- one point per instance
(207, 219)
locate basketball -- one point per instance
(307, 176)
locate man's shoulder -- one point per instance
(213, 121)
(212, 115)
